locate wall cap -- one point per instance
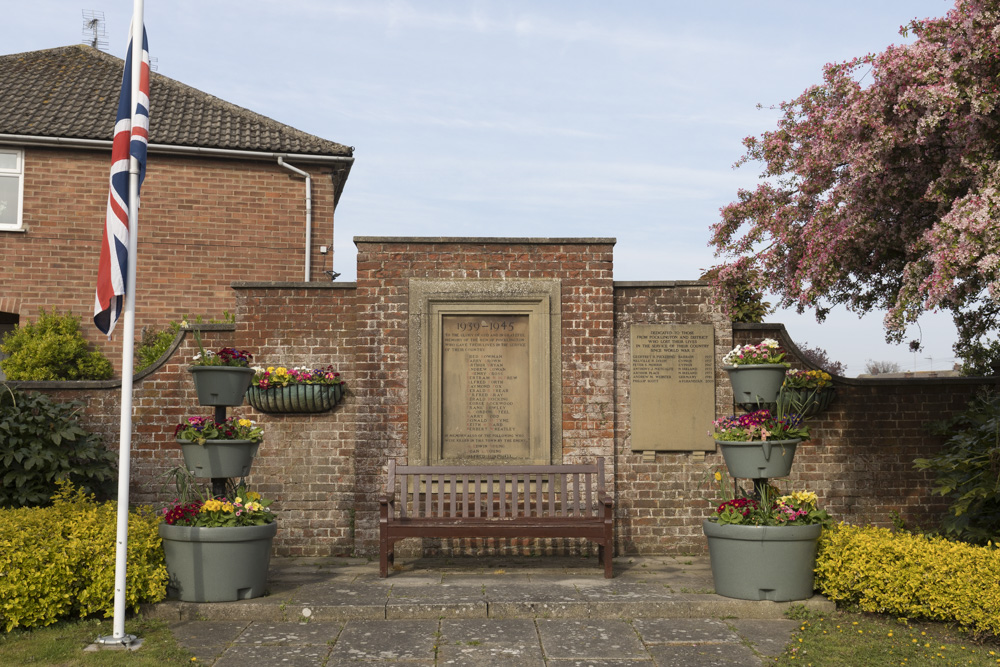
(484, 239)
(251, 284)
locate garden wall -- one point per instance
(327, 470)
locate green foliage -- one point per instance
(741, 298)
(153, 344)
(912, 576)
(52, 348)
(59, 561)
(968, 470)
(41, 444)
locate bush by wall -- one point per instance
(52, 348)
(41, 444)
(913, 576)
(59, 561)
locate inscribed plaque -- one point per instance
(672, 387)
(485, 394)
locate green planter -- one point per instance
(219, 458)
(217, 564)
(805, 402)
(757, 459)
(221, 385)
(756, 385)
(763, 562)
(295, 398)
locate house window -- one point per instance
(11, 187)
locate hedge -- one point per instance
(912, 576)
(59, 561)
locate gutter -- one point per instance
(99, 144)
(305, 174)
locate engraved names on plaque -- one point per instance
(484, 387)
(672, 387)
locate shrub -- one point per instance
(41, 444)
(153, 344)
(53, 348)
(59, 561)
(913, 576)
(968, 470)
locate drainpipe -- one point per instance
(308, 178)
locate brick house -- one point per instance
(229, 194)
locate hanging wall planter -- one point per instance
(295, 398)
(763, 562)
(221, 385)
(757, 459)
(219, 458)
(805, 402)
(210, 564)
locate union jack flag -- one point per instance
(131, 138)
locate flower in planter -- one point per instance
(200, 430)
(807, 379)
(765, 352)
(760, 425)
(241, 507)
(766, 506)
(227, 356)
(283, 377)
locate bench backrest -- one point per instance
(498, 492)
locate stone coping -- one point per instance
(485, 239)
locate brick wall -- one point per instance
(204, 224)
(385, 267)
(326, 470)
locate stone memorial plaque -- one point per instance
(484, 372)
(672, 387)
(485, 393)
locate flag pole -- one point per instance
(128, 356)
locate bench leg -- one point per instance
(384, 553)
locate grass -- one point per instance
(846, 639)
(63, 644)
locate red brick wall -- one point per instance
(384, 268)
(326, 471)
(659, 505)
(204, 224)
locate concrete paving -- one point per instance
(555, 612)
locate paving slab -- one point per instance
(767, 637)
(704, 655)
(286, 656)
(489, 642)
(289, 634)
(206, 640)
(338, 600)
(592, 639)
(441, 601)
(528, 600)
(684, 631)
(386, 641)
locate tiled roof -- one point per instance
(72, 92)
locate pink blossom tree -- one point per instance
(881, 186)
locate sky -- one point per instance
(510, 118)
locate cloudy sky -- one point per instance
(568, 118)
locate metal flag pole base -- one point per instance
(110, 642)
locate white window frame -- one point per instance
(18, 171)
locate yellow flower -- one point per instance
(253, 495)
(245, 422)
(270, 369)
(718, 476)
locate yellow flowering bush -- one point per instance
(59, 561)
(914, 576)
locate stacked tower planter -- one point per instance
(761, 562)
(210, 564)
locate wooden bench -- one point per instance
(560, 501)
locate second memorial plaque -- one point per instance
(485, 412)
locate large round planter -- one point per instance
(219, 458)
(217, 564)
(805, 402)
(763, 562)
(221, 385)
(757, 459)
(295, 398)
(756, 385)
